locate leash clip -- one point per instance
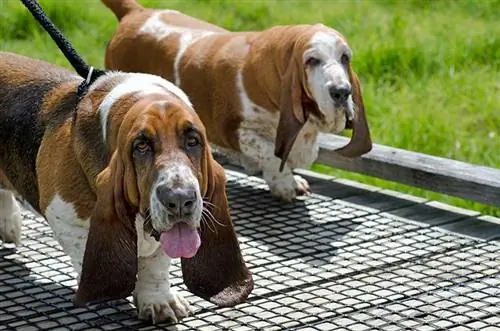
(89, 76)
(84, 85)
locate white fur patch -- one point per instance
(154, 298)
(143, 84)
(157, 28)
(146, 245)
(69, 231)
(10, 218)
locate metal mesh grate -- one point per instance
(348, 259)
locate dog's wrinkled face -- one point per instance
(326, 62)
(167, 146)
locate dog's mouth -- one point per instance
(338, 108)
(155, 234)
(180, 239)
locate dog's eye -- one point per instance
(344, 59)
(313, 62)
(192, 141)
(142, 146)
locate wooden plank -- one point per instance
(455, 178)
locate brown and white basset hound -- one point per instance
(127, 162)
(263, 96)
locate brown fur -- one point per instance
(4, 181)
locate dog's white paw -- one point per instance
(288, 188)
(301, 186)
(161, 306)
(10, 218)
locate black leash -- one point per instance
(83, 69)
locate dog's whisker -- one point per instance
(206, 220)
(213, 218)
(209, 213)
(208, 203)
(208, 216)
(147, 217)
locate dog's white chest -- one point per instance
(258, 133)
(146, 245)
(305, 149)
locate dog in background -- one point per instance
(263, 96)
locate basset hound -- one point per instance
(126, 180)
(263, 96)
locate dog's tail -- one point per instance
(122, 7)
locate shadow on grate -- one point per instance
(350, 258)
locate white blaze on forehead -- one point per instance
(133, 83)
(156, 27)
(324, 43)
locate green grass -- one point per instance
(430, 69)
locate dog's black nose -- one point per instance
(178, 201)
(340, 93)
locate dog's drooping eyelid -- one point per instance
(312, 61)
(192, 137)
(192, 141)
(142, 145)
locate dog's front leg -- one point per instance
(283, 185)
(153, 297)
(10, 218)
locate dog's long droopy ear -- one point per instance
(217, 272)
(292, 114)
(110, 263)
(360, 142)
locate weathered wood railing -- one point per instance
(455, 178)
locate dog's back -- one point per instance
(123, 8)
(141, 30)
(24, 83)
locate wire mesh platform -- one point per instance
(348, 257)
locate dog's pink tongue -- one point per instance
(180, 241)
